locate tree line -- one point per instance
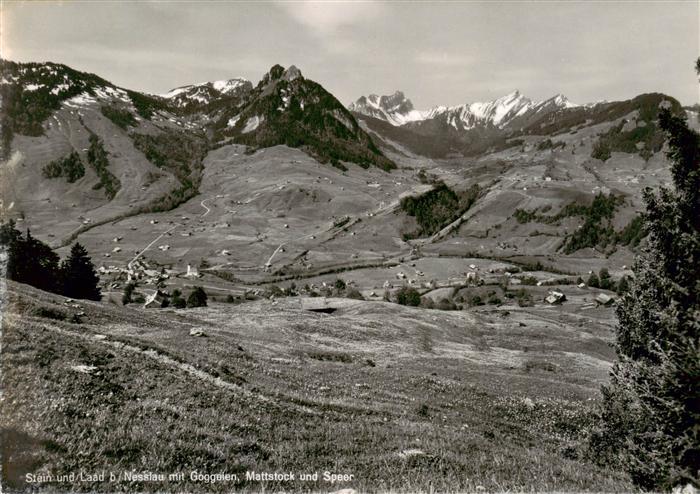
(33, 262)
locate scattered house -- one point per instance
(197, 332)
(154, 301)
(401, 275)
(116, 239)
(153, 222)
(471, 276)
(225, 252)
(472, 266)
(582, 285)
(604, 299)
(164, 247)
(192, 272)
(555, 297)
(387, 284)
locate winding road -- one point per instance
(208, 209)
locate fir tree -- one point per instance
(604, 279)
(30, 261)
(198, 298)
(593, 281)
(78, 275)
(128, 293)
(651, 409)
(622, 285)
(177, 301)
(408, 296)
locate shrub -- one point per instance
(198, 298)
(604, 280)
(121, 118)
(128, 292)
(408, 296)
(446, 304)
(528, 280)
(524, 298)
(601, 150)
(593, 281)
(354, 293)
(176, 299)
(622, 286)
(50, 313)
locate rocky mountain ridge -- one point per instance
(501, 113)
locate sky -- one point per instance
(437, 53)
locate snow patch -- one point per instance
(59, 88)
(83, 99)
(252, 124)
(110, 92)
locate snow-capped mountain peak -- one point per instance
(230, 85)
(498, 111)
(205, 92)
(398, 110)
(394, 108)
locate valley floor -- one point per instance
(396, 399)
